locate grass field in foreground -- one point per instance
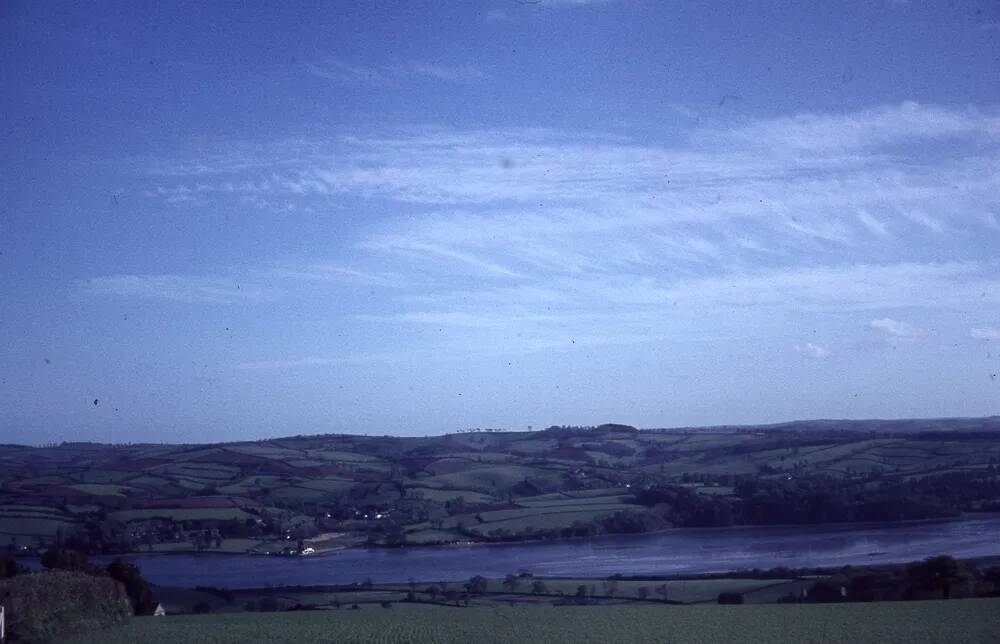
(968, 621)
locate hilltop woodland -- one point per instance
(308, 494)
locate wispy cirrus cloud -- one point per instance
(895, 328)
(527, 237)
(867, 129)
(492, 15)
(177, 288)
(340, 71)
(498, 16)
(986, 333)
(567, 3)
(320, 361)
(248, 284)
(325, 272)
(815, 351)
(794, 177)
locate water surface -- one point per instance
(674, 552)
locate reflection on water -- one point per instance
(678, 551)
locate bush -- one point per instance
(9, 567)
(56, 558)
(50, 606)
(267, 604)
(139, 592)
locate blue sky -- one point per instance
(234, 221)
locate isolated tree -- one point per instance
(455, 505)
(395, 535)
(938, 573)
(663, 591)
(643, 592)
(477, 585)
(65, 559)
(538, 587)
(137, 588)
(510, 583)
(9, 567)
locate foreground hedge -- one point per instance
(50, 606)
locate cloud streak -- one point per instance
(342, 72)
(894, 327)
(814, 351)
(986, 333)
(532, 238)
(175, 288)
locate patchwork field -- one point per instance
(486, 486)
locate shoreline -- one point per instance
(326, 552)
(739, 573)
(844, 526)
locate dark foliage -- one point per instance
(56, 558)
(811, 500)
(935, 578)
(139, 593)
(51, 606)
(9, 567)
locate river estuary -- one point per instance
(674, 552)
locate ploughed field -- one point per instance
(968, 621)
(337, 490)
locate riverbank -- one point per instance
(826, 527)
(322, 546)
(752, 586)
(677, 552)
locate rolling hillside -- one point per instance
(286, 495)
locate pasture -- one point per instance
(471, 486)
(968, 621)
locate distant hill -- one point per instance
(287, 495)
(902, 425)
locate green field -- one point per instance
(23, 524)
(512, 486)
(940, 622)
(182, 514)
